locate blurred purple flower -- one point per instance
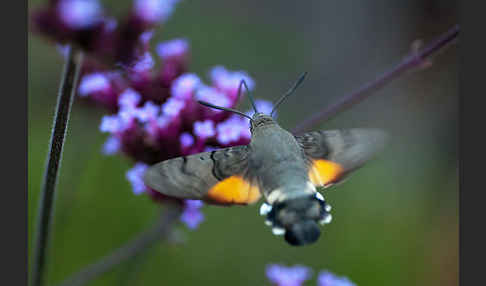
(154, 11)
(287, 276)
(175, 56)
(173, 49)
(234, 131)
(80, 14)
(328, 279)
(192, 216)
(93, 84)
(204, 129)
(129, 98)
(135, 177)
(185, 85)
(229, 81)
(112, 146)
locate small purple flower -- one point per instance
(80, 14)
(287, 276)
(172, 107)
(144, 64)
(186, 140)
(235, 130)
(111, 124)
(135, 177)
(129, 98)
(148, 112)
(215, 97)
(229, 81)
(204, 129)
(192, 216)
(173, 49)
(154, 11)
(112, 146)
(126, 117)
(146, 37)
(328, 279)
(185, 85)
(94, 83)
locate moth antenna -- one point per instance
(243, 82)
(289, 92)
(224, 108)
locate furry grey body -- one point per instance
(277, 160)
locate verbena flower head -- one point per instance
(326, 278)
(287, 276)
(84, 24)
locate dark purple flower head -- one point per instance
(328, 279)
(287, 276)
(84, 24)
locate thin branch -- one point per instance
(412, 60)
(66, 94)
(136, 246)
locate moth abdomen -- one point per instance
(298, 218)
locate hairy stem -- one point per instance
(136, 246)
(66, 94)
(415, 59)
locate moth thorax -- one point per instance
(298, 218)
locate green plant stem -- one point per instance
(134, 247)
(415, 59)
(67, 90)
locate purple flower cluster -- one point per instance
(152, 130)
(153, 114)
(280, 275)
(85, 24)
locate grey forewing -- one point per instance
(350, 148)
(277, 161)
(191, 177)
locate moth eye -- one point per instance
(278, 231)
(326, 219)
(265, 209)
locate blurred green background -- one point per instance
(395, 222)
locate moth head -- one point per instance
(260, 119)
(298, 218)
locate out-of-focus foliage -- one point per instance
(395, 222)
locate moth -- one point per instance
(286, 170)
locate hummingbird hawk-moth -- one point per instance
(285, 169)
